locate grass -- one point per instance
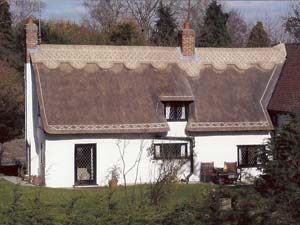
(94, 205)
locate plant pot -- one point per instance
(37, 180)
(113, 183)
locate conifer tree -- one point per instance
(6, 33)
(165, 33)
(280, 182)
(258, 36)
(214, 33)
(126, 33)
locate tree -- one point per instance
(281, 180)
(143, 13)
(11, 104)
(214, 31)
(165, 33)
(6, 33)
(67, 32)
(237, 29)
(258, 36)
(194, 9)
(292, 23)
(23, 9)
(105, 13)
(126, 33)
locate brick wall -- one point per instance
(188, 40)
(31, 30)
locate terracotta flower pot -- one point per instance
(113, 183)
(37, 180)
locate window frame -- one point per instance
(86, 182)
(186, 156)
(182, 104)
(247, 165)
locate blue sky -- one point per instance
(250, 10)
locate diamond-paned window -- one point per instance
(171, 151)
(248, 155)
(85, 164)
(176, 111)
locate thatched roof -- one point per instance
(82, 90)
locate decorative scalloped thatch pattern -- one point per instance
(159, 57)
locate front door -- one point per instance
(85, 164)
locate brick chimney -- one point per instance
(31, 31)
(187, 40)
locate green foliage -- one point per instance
(11, 103)
(6, 32)
(126, 33)
(165, 32)
(214, 31)
(67, 32)
(281, 180)
(94, 206)
(258, 36)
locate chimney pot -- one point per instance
(29, 21)
(187, 25)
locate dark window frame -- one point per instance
(176, 157)
(248, 148)
(176, 104)
(87, 182)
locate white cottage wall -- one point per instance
(60, 156)
(60, 160)
(177, 129)
(34, 135)
(223, 148)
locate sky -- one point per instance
(250, 10)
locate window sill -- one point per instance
(86, 185)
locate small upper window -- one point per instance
(176, 111)
(248, 155)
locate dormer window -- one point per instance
(176, 111)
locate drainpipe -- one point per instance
(192, 145)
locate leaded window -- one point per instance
(176, 111)
(171, 151)
(85, 164)
(248, 155)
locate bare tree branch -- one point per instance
(22, 9)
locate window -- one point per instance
(248, 155)
(85, 164)
(171, 151)
(176, 111)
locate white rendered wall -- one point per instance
(60, 156)
(60, 160)
(223, 148)
(31, 112)
(177, 129)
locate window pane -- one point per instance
(170, 151)
(183, 151)
(168, 111)
(248, 155)
(175, 111)
(157, 151)
(182, 113)
(252, 159)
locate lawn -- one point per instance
(138, 205)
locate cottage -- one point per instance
(90, 108)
